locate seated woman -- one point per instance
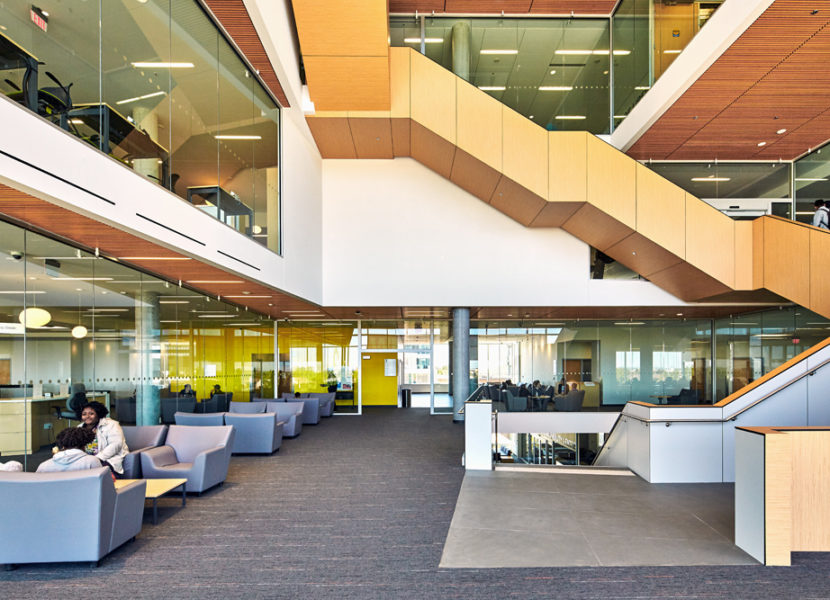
(188, 391)
(217, 389)
(71, 455)
(562, 387)
(109, 445)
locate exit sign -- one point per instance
(38, 17)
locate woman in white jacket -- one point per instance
(109, 446)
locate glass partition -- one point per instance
(142, 346)
(159, 89)
(812, 173)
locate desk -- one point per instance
(115, 131)
(22, 422)
(14, 57)
(156, 488)
(216, 196)
(662, 398)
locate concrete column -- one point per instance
(148, 336)
(461, 38)
(148, 121)
(460, 360)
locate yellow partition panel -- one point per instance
(433, 96)
(787, 259)
(568, 166)
(612, 180)
(399, 82)
(525, 155)
(710, 240)
(379, 389)
(661, 215)
(479, 124)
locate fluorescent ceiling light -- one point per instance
(144, 97)
(417, 40)
(499, 51)
(238, 137)
(760, 144)
(81, 278)
(76, 121)
(215, 281)
(555, 88)
(174, 302)
(570, 117)
(592, 52)
(37, 292)
(630, 323)
(247, 296)
(620, 116)
(217, 316)
(108, 309)
(642, 87)
(164, 65)
(491, 88)
(811, 179)
(782, 130)
(712, 178)
(672, 51)
(169, 321)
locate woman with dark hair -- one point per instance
(109, 445)
(71, 455)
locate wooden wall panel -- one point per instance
(819, 280)
(642, 255)
(744, 256)
(787, 260)
(348, 82)
(710, 240)
(595, 227)
(568, 166)
(433, 96)
(333, 136)
(688, 283)
(399, 80)
(479, 124)
(661, 214)
(612, 182)
(548, 7)
(525, 154)
(336, 28)
(516, 201)
(432, 150)
(778, 479)
(372, 137)
(810, 490)
(474, 176)
(758, 252)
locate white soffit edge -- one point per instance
(728, 23)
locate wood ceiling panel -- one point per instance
(234, 17)
(777, 68)
(551, 7)
(337, 28)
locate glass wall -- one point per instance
(812, 173)
(131, 340)
(159, 89)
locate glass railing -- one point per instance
(154, 85)
(580, 74)
(562, 449)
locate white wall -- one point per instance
(397, 234)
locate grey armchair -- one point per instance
(170, 406)
(570, 402)
(326, 403)
(138, 440)
(311, 410)
(255, 433)
(125, 410)
(200, 419)
(291, 413)
(201, 454)
(30, 526)
(247, 408)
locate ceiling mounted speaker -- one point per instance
(34, 317)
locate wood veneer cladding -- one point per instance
(773, 77)
(234, 17)
(778, 499)
(787, 260)
(552, 7)
(810, 490)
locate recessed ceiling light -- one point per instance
(672, 51)
(553, 72)
(780, 131)
(164, 65)
(530, 117)
(491, 88)
(570, 117)
(429, 40)
(761, 144)
(711, 178)
(555, 88)
(642, 87)
(811, 179)
(237, 137)
(499, 51)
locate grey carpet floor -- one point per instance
(358, 507)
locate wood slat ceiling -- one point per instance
(773, 77)
(234, 17)
(550, 7)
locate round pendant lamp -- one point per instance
(34, 317)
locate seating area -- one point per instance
(511, 398)
(196, 450)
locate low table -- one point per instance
(156, 488)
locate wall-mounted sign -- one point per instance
(390, 367)
(39, 17)
(675, 33)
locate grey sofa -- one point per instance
(255, 433)
(291, 413)
(170, 406)
(248, 408)
(326, 403)
(311, 409)
(32, 526)
(138, 440)
(199, 419)
(570, 402)
(201, 454)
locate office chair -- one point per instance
(76, 400)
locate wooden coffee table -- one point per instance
(156, 488)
